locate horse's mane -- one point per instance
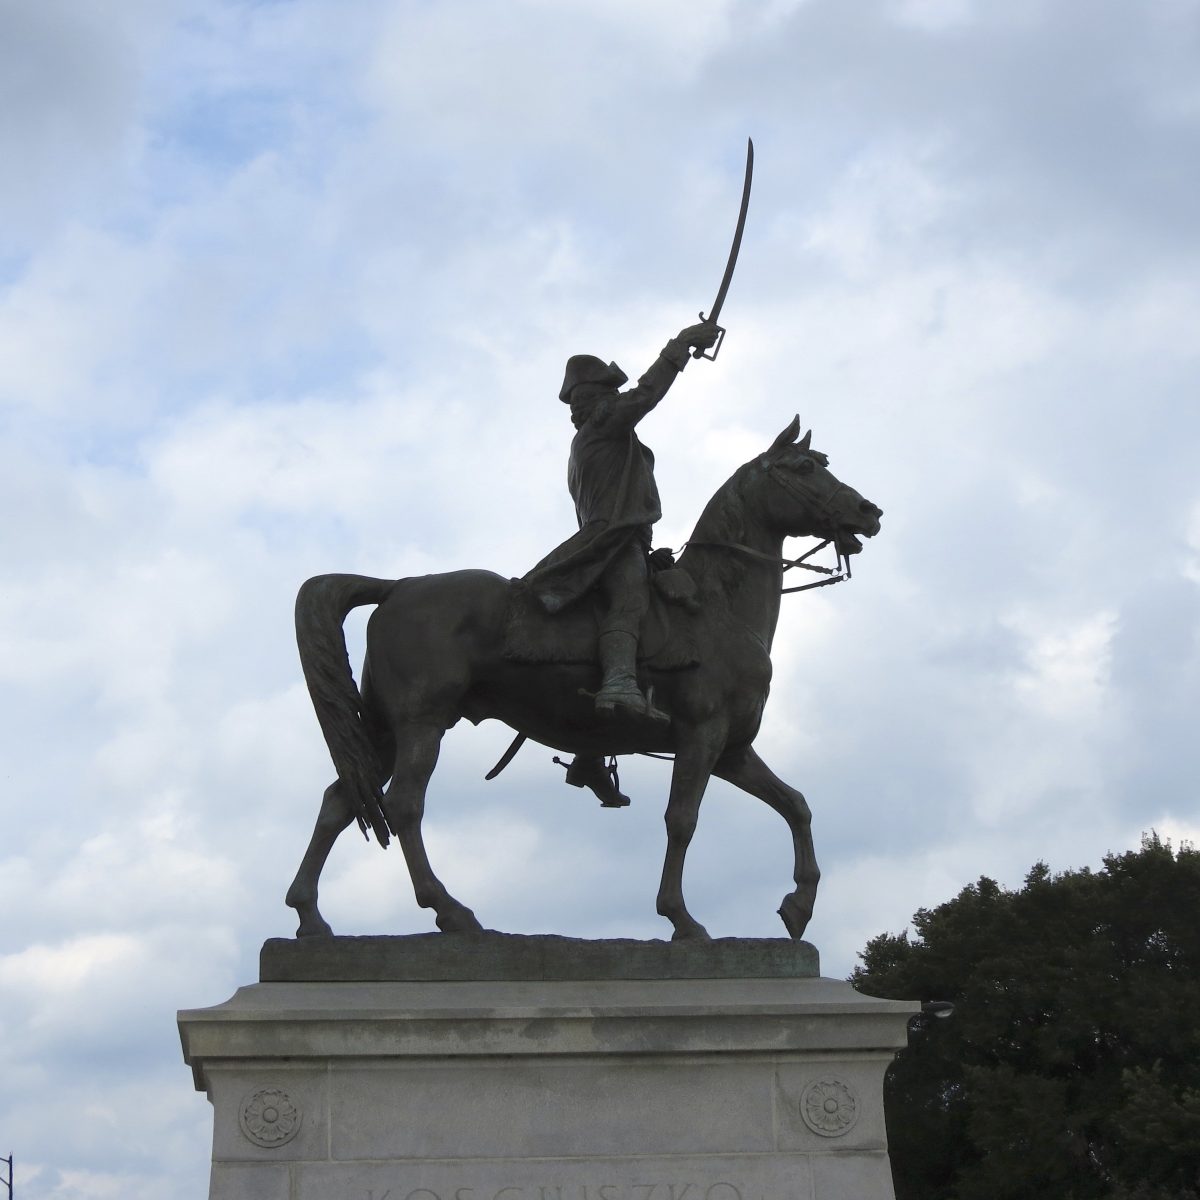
(723, 520)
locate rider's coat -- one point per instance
(610, 475)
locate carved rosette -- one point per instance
(269, 1118)
(829, 1107)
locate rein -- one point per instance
(837, 574)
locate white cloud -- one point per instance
(1066, 671)
(46, 970)
(288, 289)
(1192, 564)
(70, 101)
(456, 78)
(1180, 831)
(933, 16)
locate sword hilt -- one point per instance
(716, 347)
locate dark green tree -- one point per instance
(1071, 1066)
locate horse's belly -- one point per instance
(553, 704)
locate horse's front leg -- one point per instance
(694, 759)
(746, 770)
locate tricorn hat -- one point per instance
(587, 368)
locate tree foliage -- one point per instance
(1071, 1066)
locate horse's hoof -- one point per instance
(693, 932)
(318, 928)
(459, 919)
(795, 916)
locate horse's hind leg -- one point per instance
(417, 748)
(746, 770)
(334, 816)
(336, 813)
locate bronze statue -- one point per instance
(440, 648)
(684, 665)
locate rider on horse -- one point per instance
(611, 479)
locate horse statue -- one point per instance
(435, 654)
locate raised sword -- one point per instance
(715, 311)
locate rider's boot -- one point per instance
(589, 771)
(619, 686)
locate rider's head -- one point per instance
(588, 376)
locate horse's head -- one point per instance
(801, 497)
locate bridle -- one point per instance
(838, 574)
(821, 505)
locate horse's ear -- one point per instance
(805, 443)
(787, 437)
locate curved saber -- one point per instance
(507, 756)
(715, 311)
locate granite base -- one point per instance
(561, 1070)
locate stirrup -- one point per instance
(621, 692)
(629, 699)
(604, 783)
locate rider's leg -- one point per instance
(626, 589)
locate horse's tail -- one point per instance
(322, 604)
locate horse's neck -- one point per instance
(745, 586)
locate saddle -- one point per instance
(667, 641)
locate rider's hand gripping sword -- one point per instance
(715, 311)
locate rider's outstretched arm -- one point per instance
(631, 406)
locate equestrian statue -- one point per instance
(605, 648)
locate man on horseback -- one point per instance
(610, 475)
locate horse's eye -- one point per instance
(805, 466)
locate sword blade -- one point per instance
(507, 756)
(717, 304)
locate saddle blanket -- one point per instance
(531, 635)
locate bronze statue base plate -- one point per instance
(434, 957)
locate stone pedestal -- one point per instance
(502, 1068)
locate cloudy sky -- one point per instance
(286, 288)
